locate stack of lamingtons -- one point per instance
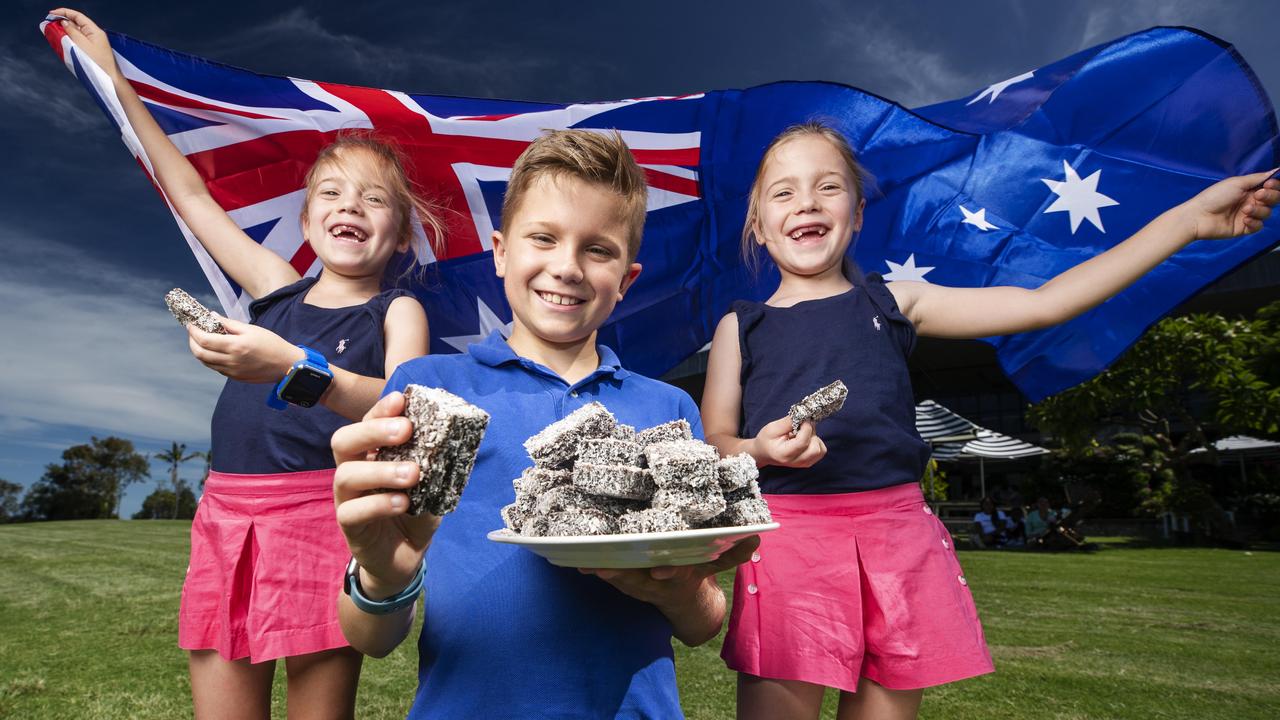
(594, 476)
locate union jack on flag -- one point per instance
(1009, 185)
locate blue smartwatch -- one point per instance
(305, 382)
(386, 606)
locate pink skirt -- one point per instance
(267, 559)
(855, 585)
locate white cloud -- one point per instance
(304, 40)
(1106, 22)
(904, 67)
(87, 344)
(27, 87)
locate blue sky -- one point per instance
(89, 249)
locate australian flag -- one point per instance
(1010, 185)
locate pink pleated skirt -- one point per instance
(855, 585)
(267, 559)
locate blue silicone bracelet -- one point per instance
(386, 606)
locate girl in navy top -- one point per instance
(860, 589)
(266, 553)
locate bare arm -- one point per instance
(722, 394)
(388, 544)
(1233, 207)
(405, 335)
(255, 268)
(722, 411)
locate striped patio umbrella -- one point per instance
(988, 444)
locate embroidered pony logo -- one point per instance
(342, 344)
(875, 320)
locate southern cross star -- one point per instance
(1078, 197)
(995, 90)
(906, 271)
(977, 219)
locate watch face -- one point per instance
(305, 386)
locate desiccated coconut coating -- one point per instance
(536, 480)
(652, 520)
(624, 432)
(821, 405)
(446, 433)
(736, 471)
(752, 511)
(608, 451)
(557, 444)
(683, 463)
(567, 498)
(189, 311)
(696, 505)
(521, 511)
(675, 430)
(616, 481)
(580, 522)
(752, 490)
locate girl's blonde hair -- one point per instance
(404, 199)
(819, 128)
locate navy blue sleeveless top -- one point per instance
(860, 338)
(248, 436)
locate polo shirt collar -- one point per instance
(494, 352)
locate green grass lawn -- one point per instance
(88, 616)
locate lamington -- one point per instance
(557, 445)
(446, 434)
(615, 481)
(682, 463)
(189, 311)
(820, 405)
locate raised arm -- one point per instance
(255, 268)
(722, 411)
(1233, 207)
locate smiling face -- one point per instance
(350, 220)
(809, 206)
(564, 262)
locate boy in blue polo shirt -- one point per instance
(507, 634)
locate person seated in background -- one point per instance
(992, 527)
(1039, 520)
(1017, 534)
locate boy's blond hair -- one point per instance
(595, 157)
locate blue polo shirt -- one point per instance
(507, 634)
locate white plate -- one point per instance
(639, 550)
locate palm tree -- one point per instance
(175, 456)
(207, 456)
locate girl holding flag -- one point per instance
(860, 588)
(267, 556)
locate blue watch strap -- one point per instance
(386, 606)
(312, 358)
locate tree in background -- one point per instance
(1188, 382)
(160, 503)
(175, 456)
(207, 456)
(89, 483)
(9, 494)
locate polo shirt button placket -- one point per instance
(752, 589)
